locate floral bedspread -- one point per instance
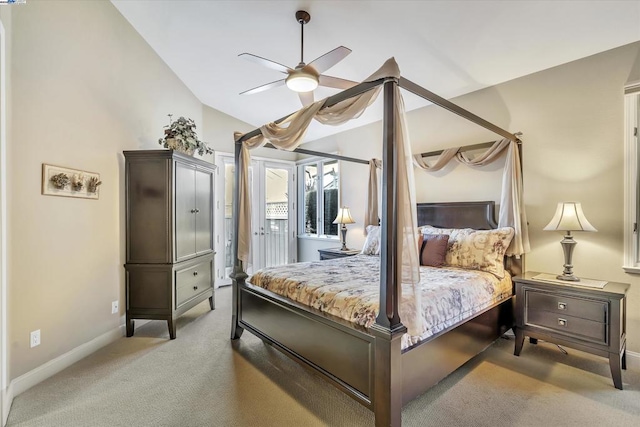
(348, 288)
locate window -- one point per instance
(319, 190)
(632, 179)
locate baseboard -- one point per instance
(26, 381)
(633, 361)
(7, 400)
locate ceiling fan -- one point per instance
(304, 78)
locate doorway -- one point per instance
(273, 239)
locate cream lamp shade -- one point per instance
(301, 81)
(344, 217)
(569, 217)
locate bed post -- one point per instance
(388, 329)
(238, 276)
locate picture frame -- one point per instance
(67, 182)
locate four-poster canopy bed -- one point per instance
(368, 363)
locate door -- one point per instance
(203, 216)
(185, 199)
(272, 231)
(273, 214)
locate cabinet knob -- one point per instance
(195, 288)
(562, 322)
(195, 273)
(197, 210)
(562, 306)
(193, 211)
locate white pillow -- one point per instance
(372, 243)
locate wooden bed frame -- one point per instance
(351, 357)
(368, 364)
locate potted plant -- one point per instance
(181, 135)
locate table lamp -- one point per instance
(344, 217)
(569, 217)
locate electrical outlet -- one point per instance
(35, 338)
(114, 307)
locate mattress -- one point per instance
(349, 287)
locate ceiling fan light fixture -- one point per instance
(302, 82)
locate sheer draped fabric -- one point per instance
(289, 134)
(371, 214)
(512, 210)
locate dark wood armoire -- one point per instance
(169, 235)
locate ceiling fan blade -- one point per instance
(306, 98)
(336, 82)
(266, 62)
(329, 59)
(263, 87)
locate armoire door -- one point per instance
(204, 212)
(185, 198)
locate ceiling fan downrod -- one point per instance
(302, 17)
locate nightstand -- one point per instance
(336, 253)
(592, 320)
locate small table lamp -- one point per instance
(569, 217)
(344, 217)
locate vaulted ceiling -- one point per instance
(449, 47)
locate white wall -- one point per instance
(86, 87)
(572, 119)
(5, 133)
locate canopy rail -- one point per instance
(410, 86)
(472, 147)
(325, 155)
(448, 105)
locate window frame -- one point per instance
(632, 179)
(318, 162)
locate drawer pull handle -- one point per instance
(562, 322)
(562, 306)
(195, 288)
(195, 273)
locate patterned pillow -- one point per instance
(476, 249)
(372, 243)
(434, 249)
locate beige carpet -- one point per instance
(202, 379)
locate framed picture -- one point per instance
(67, 182)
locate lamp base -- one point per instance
(568, 277)
(568, 244)
(344, 238)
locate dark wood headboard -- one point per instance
(476, 215)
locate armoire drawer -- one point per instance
(192, 281)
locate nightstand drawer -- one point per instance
(568, 325)
(567, 306)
